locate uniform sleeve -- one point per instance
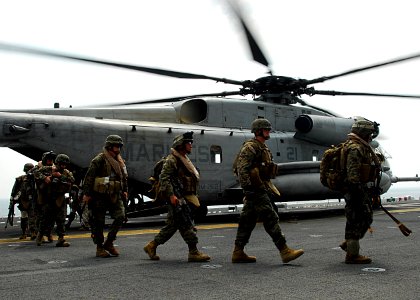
(246, 158)
(169, 169)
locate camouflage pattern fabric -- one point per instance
(258, 207)
(172, 171)
(171, 227)
(257, 204)
(54, 210)
(98, 206)
(358, 210)
(26, 205)
(101, 202)
(100, 168)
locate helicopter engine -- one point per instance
(322, 130)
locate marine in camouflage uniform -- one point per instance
(104, 189)
(362, 169)
(57, 180)
(22, 194)
(255, 167)
(40, 198)
(178, 182)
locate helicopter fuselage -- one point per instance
(299, 137)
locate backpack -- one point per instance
(332, 169)
(154, 179)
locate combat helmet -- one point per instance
(50, 155)
(27, 167)
(183, 138)
(364, 128)
(113, 139)
(62, 159)
(258, 124)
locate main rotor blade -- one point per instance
(176, 99)
(337, 93)
(398, 60)
(256, 51)
(163, 72)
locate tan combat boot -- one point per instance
(239, 256)
(288, 254)
(109, 246)
(353, 256)
(357, 259)
(150, 250)
(101, 252)
(196, 256)
(62, 242)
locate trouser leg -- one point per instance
(247, 222)
(169, 230)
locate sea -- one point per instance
(398, 192)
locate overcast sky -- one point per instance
(302, 39)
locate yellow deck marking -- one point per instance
(120, 233)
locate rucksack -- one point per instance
(154, 179)
(332, 169)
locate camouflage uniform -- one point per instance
(40, 198)
(173, 171)
(358, 209)
(362, 168)
(22, 194)
(39, 201)
(253, 167)
(103, 201)
(52, 195)
(178, 184)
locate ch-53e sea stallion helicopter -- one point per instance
(221, 123)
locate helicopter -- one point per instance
(220, 122)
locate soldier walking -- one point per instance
(255, 167)
(57, 181)
(104, 187)
(41, 195)
(178, 184)
(22, 195)
(362, 169)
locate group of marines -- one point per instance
(105, 188)
(40, 195)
